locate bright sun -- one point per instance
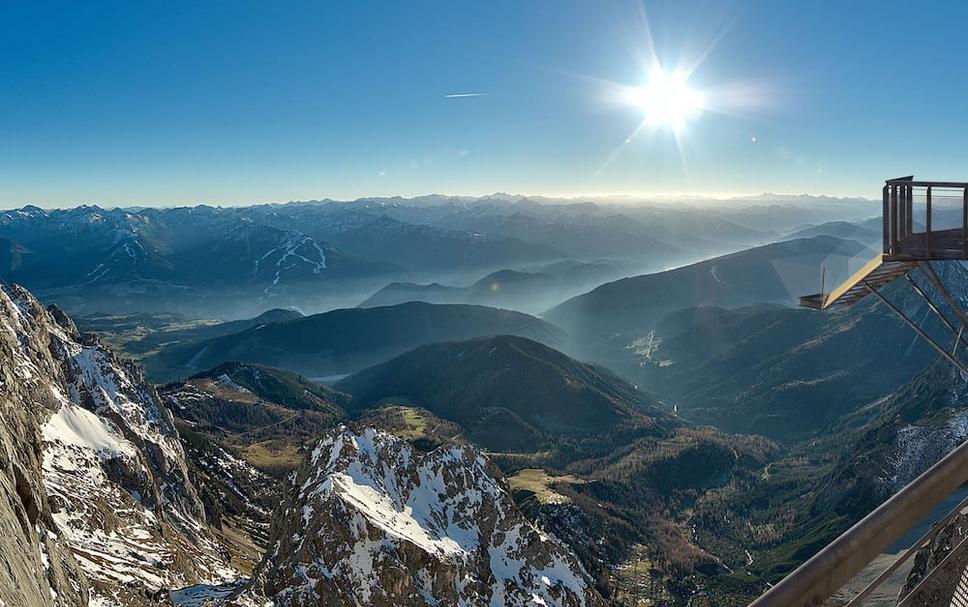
(668, 100)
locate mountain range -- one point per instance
(783, 372)
(321, 255)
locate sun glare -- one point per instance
(667, 100)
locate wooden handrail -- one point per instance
(958, 185)
(823, 575)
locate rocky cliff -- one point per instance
(39, 569)
(96, 499)
(368, 520)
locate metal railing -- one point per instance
(829, 570)
(925, 219)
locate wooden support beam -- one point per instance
(956, 185)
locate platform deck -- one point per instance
(876, 273)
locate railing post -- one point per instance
(893, 218)
(927, 225)
(885, 193)
(901, 222)
(909, 211)
(904, 214)
(964, 225)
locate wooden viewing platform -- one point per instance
(913, 213)
(911, 209)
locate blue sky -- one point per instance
(237, 102)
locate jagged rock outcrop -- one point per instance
(937, 578)
(38, 568)
(368, 520)
(93, 473)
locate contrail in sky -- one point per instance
(459, 95)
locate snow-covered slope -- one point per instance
(370, 521)
(113, 473)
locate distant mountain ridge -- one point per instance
(347, 340)
(326, 254)
(501, 289)
(865, 232)
(288, 254)
(90, 259)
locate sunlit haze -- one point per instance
(234, 103)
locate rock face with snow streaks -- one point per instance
(38, 568)
(108, 502)
(368, 520)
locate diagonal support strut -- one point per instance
(928, 270)
(957, 332)
(917, 329)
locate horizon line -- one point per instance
(601, 197)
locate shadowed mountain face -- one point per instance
(344, 341)
(896, 438)
(627, 309)
(511, 393)
(267, 416)
(276, 386)
(840, 475)
(786, 372)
